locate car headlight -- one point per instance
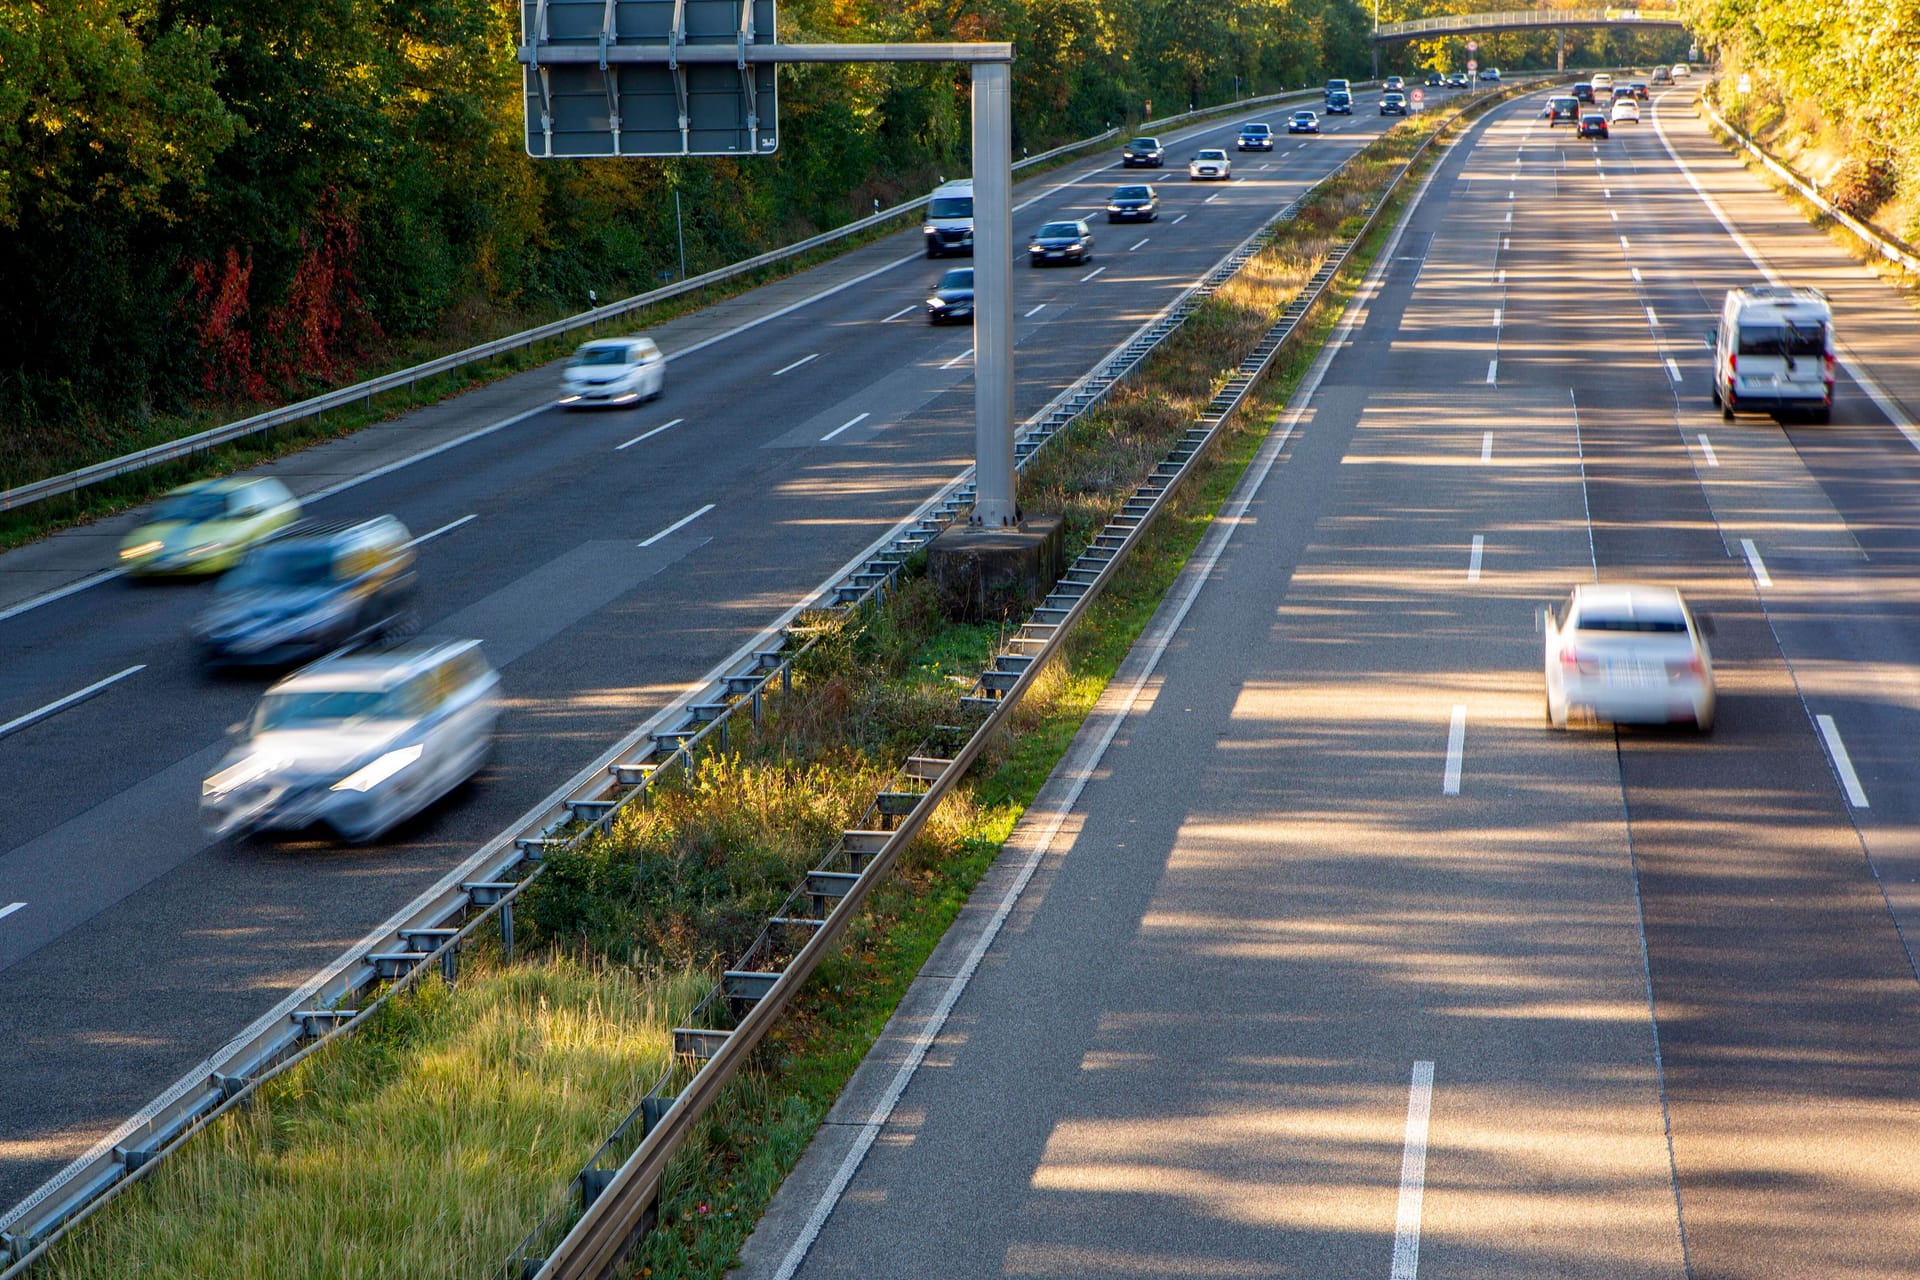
(938, 304)
(1075, 247)
(141, 551)
(233, 777)
(928, 229)
(367, 777)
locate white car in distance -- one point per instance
(1211, 163)
(613, 371)
(1625, 108)
(1627, 654)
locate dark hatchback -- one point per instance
(1061, 242)
(1133, 204)
(1143, 153)
(313, 589)
(1594, 125)
(1255, 137)
(1393, 104)
(952, 300)
(1339, 104)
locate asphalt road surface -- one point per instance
(135, 947)
(1335, 960)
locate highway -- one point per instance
(608, 560)
(1322, 955)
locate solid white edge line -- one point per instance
(1091, 274)
(648, 435)
(1486, 446)
(678, 525)
(896, 315)
(1706, 447)
(1754, 562)
(1477, 556)
(795, 365)
(1036, 311)
(1456, 749)
(1213, 545)
(1413, 1175)
(1842, 762)
(71, 589)
(10, 908)
(61, 704)
(850, 422)
(445, 528)
(1861, 378)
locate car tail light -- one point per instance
(1691, 667)
(1829, 368)
(1733, 362)
(1569, 656)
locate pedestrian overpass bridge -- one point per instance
(1525, 20)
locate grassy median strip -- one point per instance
(429, 1144)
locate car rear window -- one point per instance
(1665, 624)
(1783, 339)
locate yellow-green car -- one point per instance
(207, 526)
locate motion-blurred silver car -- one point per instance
(1627, 653)
(613, 371)
(358, 742)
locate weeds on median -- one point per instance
(428, 1145)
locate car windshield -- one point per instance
(287, 564)
(1133, 193)
(600, 355)
(1144, 144)
(1665, 624)
(192, 507)
(326, 709)
(1785, 339)
(1255, 129)
(1303, 115)
(958, 278)
(1211, 155)
(952, 207)
(1059, 231)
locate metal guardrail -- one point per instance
(1894, 251)
(1521, 19)
(482, 890)
(363, 392)
(617, 1204)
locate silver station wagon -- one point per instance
(358, 742)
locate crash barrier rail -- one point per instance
(484, 889)
(364, 392)
(1895, 251)
(616, 1204)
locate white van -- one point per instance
(949, 226)
(1773, 352)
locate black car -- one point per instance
(1339, 104)
(1061, 242)
(1435, 80)
(1393, 104)
(1584, 92)
(1562, 109)
(952, 300)
(1639, 90)
(1394, 84)
(1303, 122)
(1458, 80)
(1255, 137)
(1133, 204)
(1593, 125)
(311, 589)
(1143, 153)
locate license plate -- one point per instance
(1635, 674)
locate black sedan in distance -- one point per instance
(1061, 242)
(1133, 204)
(952, 300)
(1142, 153)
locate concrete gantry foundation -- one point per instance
(996, 574)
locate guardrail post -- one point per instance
(506, 930)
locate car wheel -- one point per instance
(1111, 219)
(1726, 411)
(1705, 724)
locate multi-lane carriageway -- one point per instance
(1322, 956)
(609, 561)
